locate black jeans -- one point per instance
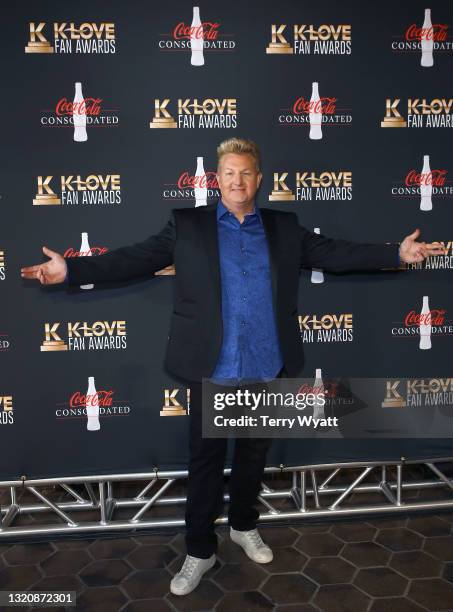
(206, 484)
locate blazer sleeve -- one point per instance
(337, 255)
(128, 262)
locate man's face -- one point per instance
(238, 178)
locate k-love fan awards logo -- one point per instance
(326, 185)
(327, 327)
(74, 189)
(2, 265)
(92, 406)
(418, 392)
(175, 404)
(79, 113)
(81, 336)
(69, 37)
(6, 410)
(197, 37)
(310, 39)
(194, 185)
(422, 324)
(316, 112)
(418, 113)
(423, 184)
(194, 113)
(425, 40)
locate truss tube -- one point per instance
(351, 487)
(53, 507)
(282, 493)
(183, 473)
(265, 517)
(441, 475)
(299, 493)
(150, 502)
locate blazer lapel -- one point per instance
(209, 237)
(270, 228)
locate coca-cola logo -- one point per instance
(435, 316)
(435, 177)
(323, 105)
(437, 32)
(93, 251)
(88, 106)
(101, 398)
(328, 388)
(208, 180)
(207, 30)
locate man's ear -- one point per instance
(260, 177)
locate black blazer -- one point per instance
(189, 240)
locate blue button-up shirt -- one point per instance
(250, 348)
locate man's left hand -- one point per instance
(412, 251)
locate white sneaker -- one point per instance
(253, 545)
(190, 574)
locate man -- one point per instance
(235, 318)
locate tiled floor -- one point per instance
(402, 565)
(397, 564)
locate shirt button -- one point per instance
(244, 298)
(242, 323)
(242, 249)
(244, 272)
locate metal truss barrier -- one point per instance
(316, 492)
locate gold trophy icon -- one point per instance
(171, 406)
(281, 191)
(37, 42)
(393, 399)
(45, 195)
(57, 344)
(162, 118)
(279, 44)
(392, 118)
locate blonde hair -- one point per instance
(239, 146)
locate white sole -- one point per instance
(186, 592)
(247, 553)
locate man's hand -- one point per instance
(49, 273)
(414, 252)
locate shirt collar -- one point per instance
(223, 210)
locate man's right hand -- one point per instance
(49, 273)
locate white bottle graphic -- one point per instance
(426, 190)
(427, 42)
(201, 193)
(318, 387)
(92, 406)
(196, 39)
(315, 116)
(317, 275)
(79, 119)
(85, 251)
(425, 328)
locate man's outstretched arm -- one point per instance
(337, 255)
(140, 259)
